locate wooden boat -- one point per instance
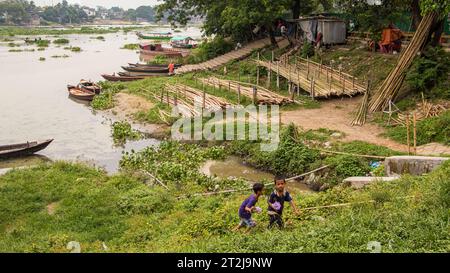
(90, 86)
(155, 36)
(153, 65)
(114, 78)
(158, 50)
(81, 94)
(145, 75)
(23, 149)
(143, 69)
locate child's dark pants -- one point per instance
(276, 218)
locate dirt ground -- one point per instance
(337, 114)
(126, 105)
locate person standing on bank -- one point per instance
(276, 202)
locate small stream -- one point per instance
(234, 167)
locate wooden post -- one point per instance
(307, 67)
(407, 134)
(168, 98)
(278, 75)
(293, 95)
(257, 71)
(273, 56)
(239, 93)
(269, 75)
(229, 86)
(415, 132)
(162, 95)
(176, 98)
(255, 93)
(239, 72)
(204, 100)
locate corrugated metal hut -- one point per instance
(331, 30)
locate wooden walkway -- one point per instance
(317, 79)
(233, 55)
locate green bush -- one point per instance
(209, 50)
(435, 129)
(307, 49)
(122, 131)
(61, 41)
(346, 166)
(429, 71)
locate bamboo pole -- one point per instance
(415, 132)
(407, 134)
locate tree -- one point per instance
(145, 12)
(235, 18)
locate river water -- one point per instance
(34, 103)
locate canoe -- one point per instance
(165, 52)
(155, 36)
(23, 149)
(114, 78)
(143, 69)
(90, 86)
(80, 94)
(144, 75)
(154, 65)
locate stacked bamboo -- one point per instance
(424, 110)
(360, 118)
(185, 98)
(259, 94)
(390, 87)
(317, 79)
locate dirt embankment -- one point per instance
(127, 105)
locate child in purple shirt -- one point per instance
(248, 207)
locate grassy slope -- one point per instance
(128, 216)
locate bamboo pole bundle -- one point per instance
(360, 118)
(389, 88)
(209, 102)
(263, 95)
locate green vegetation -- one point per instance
(103, 101)
(131, 46)
(61, 41)
(12, 31)
(41, 59)
(206, 51)
(435, 129)
(60, 56)
(429, 74)
(42, 43)
(122, 131)
(15, 50)
(44, 208)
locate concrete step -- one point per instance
(360, 182)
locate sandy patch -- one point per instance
(127, 105)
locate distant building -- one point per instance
(90, 11)
(35, 20)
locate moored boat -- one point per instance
(145, 75)
(153, 65)
(114, 78)
(90, 86)
(23, 149)
(155, 36)
(158, 50)
(143, 69)
(81, 94)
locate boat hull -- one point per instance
(80, 94)
(121, 78)
(23, 149)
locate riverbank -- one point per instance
(44, 208)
